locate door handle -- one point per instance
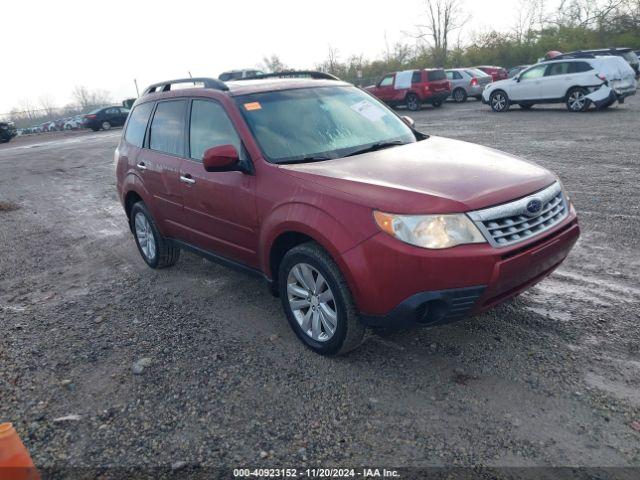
(141, 166)
(187, 179)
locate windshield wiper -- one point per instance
(376, 146)
(309, 159)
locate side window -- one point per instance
(167, 128)
(457, 75)
(416, 77)
(111, 111)
(535, 72)
(579, 67)
(138, 124)
(450, 75)
(211, 127)
(387, 81)
(561, 68)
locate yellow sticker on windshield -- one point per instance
(252, 106)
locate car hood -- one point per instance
(436, 175)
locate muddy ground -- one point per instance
(551, 378)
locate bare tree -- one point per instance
(443, 18)
(587, 13)
(85, 98)
(530, 16)
(273, 64)
(48, 104)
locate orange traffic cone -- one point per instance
(15, 461)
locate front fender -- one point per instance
(316, 223)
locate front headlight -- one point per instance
(430, 231)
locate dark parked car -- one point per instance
(105, 118)
(7, 131)
(352, 217)
(628, 54)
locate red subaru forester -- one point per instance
(353, 217)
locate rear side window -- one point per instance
(579, 67)
(561, 68)
(138, 124)
(167, 128)
(387, 81)
(416, 77)
(436, 75)
(210, 127)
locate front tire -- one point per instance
(460, 95)
(318, 302)
(155, 250)
(413, 102)
(577, 100)
(499, 101)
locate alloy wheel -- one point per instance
(312, 302)
(577, 100)
(145, 236)
(498, 101)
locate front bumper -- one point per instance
(396, 285)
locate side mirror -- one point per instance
(223, 158)
(408, 120)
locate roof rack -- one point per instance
(166, 85)
(314, 74)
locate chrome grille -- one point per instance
(515, 222)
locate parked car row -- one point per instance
(103, 118)
(578, 79)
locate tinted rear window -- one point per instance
(579, 67)
(436, 75)
(167, 128)
(416, 77)
(138, 124)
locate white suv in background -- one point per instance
(576, 82)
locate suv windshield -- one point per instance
(321, 123)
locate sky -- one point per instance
(51, 47)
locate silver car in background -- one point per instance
(467, 82)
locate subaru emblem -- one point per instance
(534, 206)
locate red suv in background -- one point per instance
(353, 217)
(497, 73)
(413, 88)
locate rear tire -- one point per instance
(459, 95)
(413, 102)
(499, 101)
(310, 259)
(106, 125)
(155, 250)
(576, 100)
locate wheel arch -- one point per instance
(293, 224)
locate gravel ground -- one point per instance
(104, 361)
